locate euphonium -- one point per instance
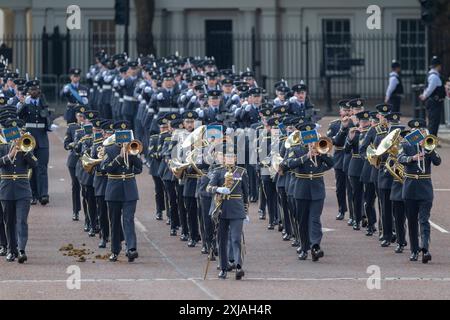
(89, 163)
(373, 159)
(395, 168)
(430, 142)
(135, 147)
(26, 143)
(177, 167)
(293, 139)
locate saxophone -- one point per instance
(219, 198)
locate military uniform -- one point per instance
(121, 194)
(309, 193)
(418, 195)
(15, 195)
(232, 214)
(36, 117)
(434, 94)
(76, 94)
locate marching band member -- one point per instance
(309, 166)
(418, 191)
(15, 193)
(121, 194)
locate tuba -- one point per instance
(177, 167)
(391, 145)
(373, 159)
(26, 143)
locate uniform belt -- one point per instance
(165, 109)
(35, 125)
(129, 98)
(309, 175)
(356, 156)
(231, 196)
(338, 148)
(417, 176)
(99, 174)
(193, 176)
(121, 176)
(106, 87)
(14, 176)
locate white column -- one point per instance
(177, 32)
(20, 21)
(268, 46)
(20, 45)
(242, 47)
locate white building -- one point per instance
(267, 35)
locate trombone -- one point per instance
(430, 143)
(26, 143)
(323, 146)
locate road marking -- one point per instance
(327, 229)
(174, 265)
(194, 280)
(442, 190)
(140, 226)
(437, 227)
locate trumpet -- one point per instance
(134, 147)
(26, 143)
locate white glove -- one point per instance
(147, 89)
(229, 131)
(183, 98)
(160, 96)
(122, 82)
(140, 97)
(235, 98)
(142, 85)
(292, 99)
(200, 113)
(190, 93)
(85, 100)
(66, 89)
(181, 110)
(223, 190)
(193, 99)
(248, 107)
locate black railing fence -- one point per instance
(333, 66)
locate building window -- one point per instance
(411, 43)
(336, 44)
(102, 36)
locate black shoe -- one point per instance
(86, 227)
(173, 232)
(295, 243)
(253, 199)
(270, 226)
(364, 222)
(132, 254)
(350, 222)
(44, 200)
(303, 255)
(316, 253)
(369, 231)
(204, 250)
(34, 201)
(91, 232)
(299, 249)
(11, 257)
(426, 256)
(231, 266)
(261, 215)
(399, 248)
(340, 216)
(280, 227)
(394, 238)
(239, 274)
(414, 256)
(75, 216)
(191, 243)
(3, 251)
(168, 222)
(184, 237)
(159, 216)
(385, 243)
(113, 257)
(102, 244)
(212, 258)
(22, 257)
(356, 226)
(287, 237)
(222, 274)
